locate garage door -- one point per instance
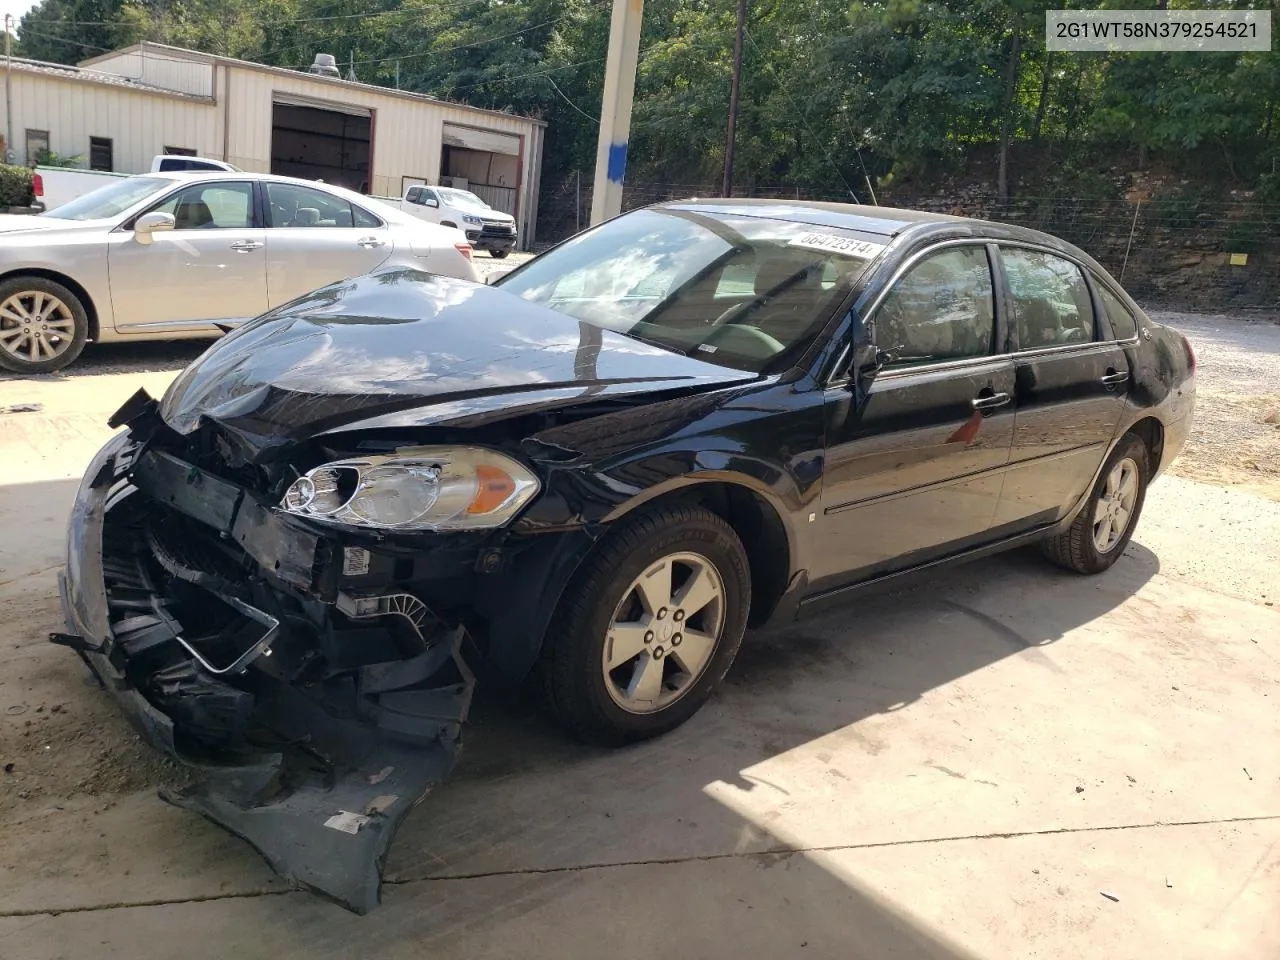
(489, 141)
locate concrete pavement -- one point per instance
(959, 771)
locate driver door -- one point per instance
(916, 451)
(211, 267)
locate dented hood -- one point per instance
(403, 347)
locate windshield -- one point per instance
(462, 198)
(740, 291)
(109, 200)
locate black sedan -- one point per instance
(695, 418)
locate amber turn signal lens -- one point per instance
(493, 488)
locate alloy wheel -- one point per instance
(36, 326)
(664, 632)
(1115, 505)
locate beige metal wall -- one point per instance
(159, 69)
(139, 124)
(407, 134)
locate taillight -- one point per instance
(1191, 354)
(464, 249)
(37, 184)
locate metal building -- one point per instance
(120, 109)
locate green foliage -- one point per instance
(1268, 189)
(834, 92)
(47, 158)
(15, 187)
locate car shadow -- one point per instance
(531, 823)
(540, 846)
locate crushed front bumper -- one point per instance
(315, 769)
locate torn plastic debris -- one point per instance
(197, 608)
(324, 813)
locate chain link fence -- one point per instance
(1168, 251)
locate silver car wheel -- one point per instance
(663, 633)
(36, 326)
(1115, 505)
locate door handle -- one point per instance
(1113, 377)
(244, 246)
(990, 402)
(370, 242)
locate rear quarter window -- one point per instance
(1123, 322)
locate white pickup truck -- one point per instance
(485, 227)
(54, 186)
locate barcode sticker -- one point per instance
(355, 561)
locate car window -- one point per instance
(111, 199)
(291, 205)
(462, 198)
(737, 279)
(214, 206)
(1122, 321)
(941, 309)
(740, 291)
(1049, 304)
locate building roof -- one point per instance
(65, 72)
(148, 47)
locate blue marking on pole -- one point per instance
(617, 161)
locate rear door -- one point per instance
(914, 468)
(1071, 381)
(315, 238)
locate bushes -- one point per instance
(15, 187)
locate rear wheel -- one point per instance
(643, 636)
(43, 325)
(1098, 536)
(499, 254)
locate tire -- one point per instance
(1078, 548)
(43, 325)
(603, 610)
(499, 254)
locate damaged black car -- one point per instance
(592, 476)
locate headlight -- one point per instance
(418, 488)
(467, 218)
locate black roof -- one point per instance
(888, 222)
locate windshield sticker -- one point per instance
(845, 245)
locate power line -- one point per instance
(571, 103)
(464, 46)
(799, 113)
(526, 76)
(402, 12)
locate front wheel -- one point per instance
(643, 635)
(1098, 536)
(43, 325)
(499, 254)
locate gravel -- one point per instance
(1235, 440)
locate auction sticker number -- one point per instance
(845, 245)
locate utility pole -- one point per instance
(615, 110)
(736, 83)
(9, 153)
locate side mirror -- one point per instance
(431, 202)
(152, 223)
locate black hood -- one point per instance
(404, 347)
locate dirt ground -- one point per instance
(874, 758)
(1236, 437)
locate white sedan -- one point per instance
(169, 256)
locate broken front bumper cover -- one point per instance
(318, 791)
